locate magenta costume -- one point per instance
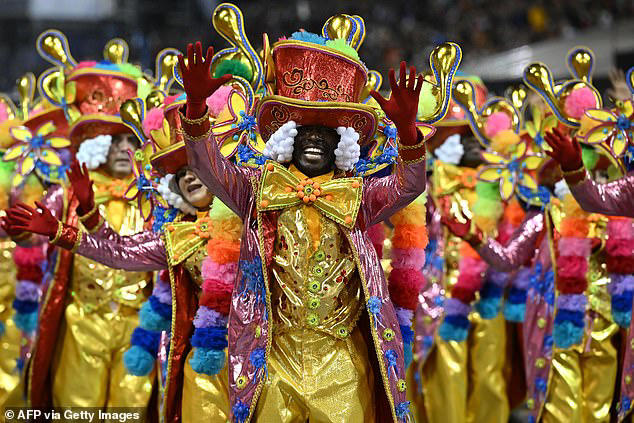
(250, 309)
(613, 198)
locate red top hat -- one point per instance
(316, 85)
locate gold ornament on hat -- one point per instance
(348, 27)
(53, 46)
(580, 62)
(518, 94)
(116, 51)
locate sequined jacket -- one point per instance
(613, 198)
(249, 324)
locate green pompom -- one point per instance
(233, 67)
(589, 156)
(488, 190)
(131, 70)
(6, 173)
(343, 47)
(219, 210)
(426, 102)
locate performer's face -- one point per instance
(472, 156)
(192, 189)
(119, 165)
(314, 150)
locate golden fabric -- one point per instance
(205, 398)
(581, 385)
(318, 378)
(337, 198)
(89, 369)
(320, 291)
(94, 285)
(10, 340)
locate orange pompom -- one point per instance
(467, 251)
(514, 213)
(409, 236)
(574, 227)
(222, 251)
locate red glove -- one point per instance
(402, 106)
(10, 230)
(459, 229)
(82, 187)
(27, 219)
(566, 151)
(197, 80)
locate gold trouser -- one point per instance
(89, 370)
(582, 382)
(318, 378)
(464, 381)
(205, 398)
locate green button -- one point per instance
(241, 382)
(342, 332)
(319, 255)
(312, 319)
(318, 270)
(388, 334)
(313, 303)
(402, 385)
(314, 287)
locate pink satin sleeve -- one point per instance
(142, 252)
(613, 198)
(519, 249)
(382, 197)
(227, 181)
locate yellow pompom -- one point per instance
(504, 140)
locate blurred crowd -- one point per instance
(396, 29)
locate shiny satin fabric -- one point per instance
(465, 381)
(582, 378)
(89, 370)
(10, 340)
(318, 378)
(205, 398)
(614, 198)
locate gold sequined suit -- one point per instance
(10, 340)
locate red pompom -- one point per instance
(28, 256)
(30, 273)
(571, 285)
(619, 264)
(572, 267)
(404, 286)
(216, 295)
(464, 293)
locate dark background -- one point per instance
(396, 29)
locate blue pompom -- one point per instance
(207, 361)
(574, 317)
(517, 296)
(147, 340)
(165, 310)
(151, 320)
(449, 332)
(308, 37)
(137, 361)
(458, 320)
(488, 307)
(211, 337)
(24, 306)
(408, 353)
(514, 312)
(622, 318)
(541, 385)
(240, 411)
(566, 334)
(408, 334)
(622, 302)
(26, 322)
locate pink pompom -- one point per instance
(86, 64)
(218, 100)
(28, 256)
(4, 112)
(574, 267)
(620, 229)
(619, 247)
(579, 101)
(225, 272)
(413, 258)
(498, 121)
(153, 120)
(470, 265)
(569, 246)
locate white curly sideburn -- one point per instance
(279, 147)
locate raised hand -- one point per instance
(82, 186)
(566, 151)
(197, 80)
(23, 218)
(402, 106)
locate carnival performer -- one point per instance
(570, 368)
(307, 267)
(195, 247)
(89, 310)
